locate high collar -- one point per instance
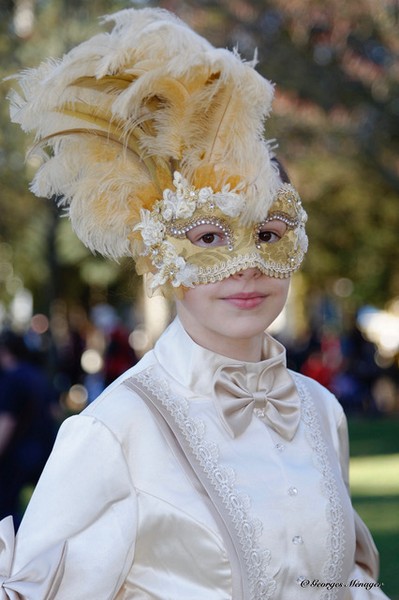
(193, 366)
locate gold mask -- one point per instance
(194, 236)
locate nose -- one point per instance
(250, 273)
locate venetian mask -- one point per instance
(196, 236)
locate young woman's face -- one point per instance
(230, 316)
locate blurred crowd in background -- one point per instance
(52, 370)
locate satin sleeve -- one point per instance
(84, 500)
(366, 561)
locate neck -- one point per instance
(243, 349)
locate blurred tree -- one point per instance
(37, 249)
(336, 116)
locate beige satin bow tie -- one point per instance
(238, 391)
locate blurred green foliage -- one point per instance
(336, 118)
(375, 490)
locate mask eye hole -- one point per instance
(208, 236)
(270, 231)
(206, 232)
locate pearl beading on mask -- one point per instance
(181, 232)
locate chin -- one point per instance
(246, 331)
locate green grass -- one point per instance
(369, 437)
(374, 475)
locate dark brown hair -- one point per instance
(283, 173)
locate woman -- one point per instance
(208, 470)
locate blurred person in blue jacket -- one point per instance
(27, 429)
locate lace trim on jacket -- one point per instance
(335, 516)
(248, 530)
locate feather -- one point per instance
(125, 109)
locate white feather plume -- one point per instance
(125, 109)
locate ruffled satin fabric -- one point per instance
(38, 579)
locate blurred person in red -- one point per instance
(118, 354)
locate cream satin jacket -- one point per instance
(118, 515)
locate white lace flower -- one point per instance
(179, 205)
(185, 208)
(204, 195)
(168, 205)
(158, 280)
(303, 241)
(171, 266)
(229, 203)
(186, 273)
(152, 230)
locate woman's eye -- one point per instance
(272, 232)
(268, 237)
(205, 237)
(208, 238)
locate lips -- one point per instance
(245, 300)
